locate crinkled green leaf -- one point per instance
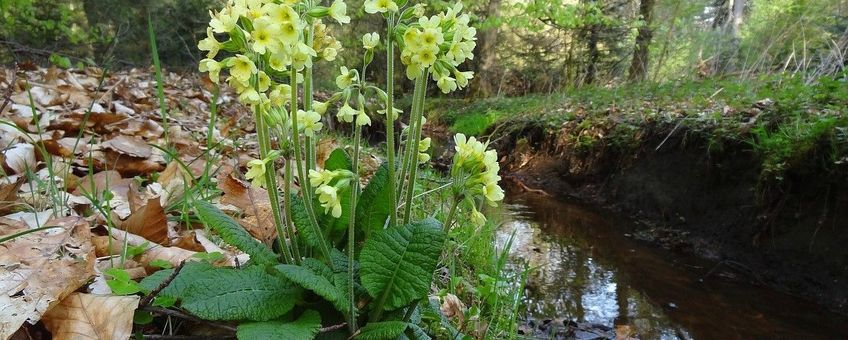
(397, 264)
(414, 333)
(315, 282)
(191, 272)
(233, 233)
(305, 327)
(382, 330)
(374, 203)
(240, 294)
(338, 160)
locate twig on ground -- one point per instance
(189, 317)
(149, 297)
(332, 328)
(186, 337)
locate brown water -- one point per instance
(589, 271)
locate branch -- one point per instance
(145, 301)
(185, 316)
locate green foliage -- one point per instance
(398, 263)
(316, 282)
(239, 294)
(371, 216)
(120, 282)
(233, 233)
(383, 330)
(305, 327)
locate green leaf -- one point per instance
(188, 275)
(338, 160)
(240, 294)
(382, 330)
(414, 333)
(120, 283)
(317, 283)
(305, 327)
(160, 263)
(314, 236)
(233, 233)
(374, 203)
(397, 264)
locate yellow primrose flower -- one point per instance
(370, 40)
(446, 84)
(329, 54)
(380, 6)
(282, 14)
(338, 11)
(279, 61)
(329, 199)
(493, 193)
(280, 95)
(224, 21)
(250, 96)
(362, 118)
(309, 122)
(425, 57)
(423, 158)
(424, 144)
(289, 33)
(242, 68)
(320, 177)
(236, 84)
(346, 78)
(432, 37)
(256, 173)
(477, 218)
(213, 67)
(346, 113)
(264, 81)
(431, 22)
(418, 10)
(209, 44)
(320, 107)
(264, 36)
(302, 56)
(462, 78)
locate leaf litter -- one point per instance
(83, 151)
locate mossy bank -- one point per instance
(754, 177)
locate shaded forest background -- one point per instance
(524, 46)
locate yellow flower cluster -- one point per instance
(266, 36)
(256, 169)
(475, 170)
(328, 184)
(443, 42)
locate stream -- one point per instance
(590, 273)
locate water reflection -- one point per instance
(588, 271)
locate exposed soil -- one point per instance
(789, 234)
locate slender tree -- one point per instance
(639, 65)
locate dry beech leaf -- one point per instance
(9, 195)
(153, 251)
(254, 203)
(149, 222)
(20, 157)
(40, 269)
(453, 307)
(86, 316)
(130, 146)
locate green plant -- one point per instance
(357, 254)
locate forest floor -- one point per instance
(751, 174)
(98, 194)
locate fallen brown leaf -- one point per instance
(86, 316)
(149, 222)
(40, 269)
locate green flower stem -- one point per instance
(271, 178)
(390, 122)
(298, 162)
(351, 244)
(307, 105)
(412, 145)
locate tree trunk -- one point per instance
(639, 66)
(487, 76)
(728, 50)
(594, 54)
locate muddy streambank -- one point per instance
(683, 195)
